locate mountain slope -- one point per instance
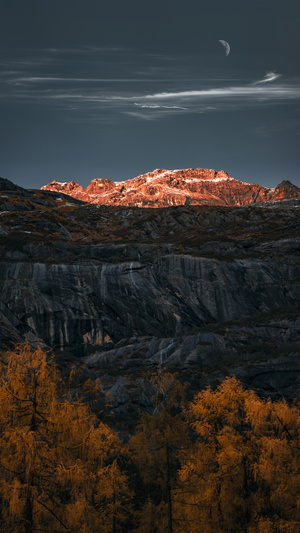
(207, 290)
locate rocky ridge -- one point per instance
(163, 188)
(209, 291)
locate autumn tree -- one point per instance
(152, 517)
(242, 473)
(157, 446)
(58, 464)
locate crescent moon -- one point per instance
(226, 46)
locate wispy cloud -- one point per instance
(211, 99)
(271, 92)
(46, 79)
(142, 116)
(86, 49)
(114, 85)
(155, 106)
(114, 97)
(224, 92)
(269, 76)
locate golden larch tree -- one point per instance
(54, 453)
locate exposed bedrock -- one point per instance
(265, 356)
(84, 308)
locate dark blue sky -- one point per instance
(96, 90)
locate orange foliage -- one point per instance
(229, 462)
(242, 474)
(54, 453)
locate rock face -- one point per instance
(99, 186)
(82, 308)
(162, 188)
(71, 188)
(285, 190)
(95, 189)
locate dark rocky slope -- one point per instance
(205, 290)
(80, 308)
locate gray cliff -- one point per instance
(86, 307)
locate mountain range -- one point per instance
(204, 290)
(164, 188)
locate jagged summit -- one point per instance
(286, 189)
(163, 188)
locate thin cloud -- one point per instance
(155, 106)
(45, 79)
(142, 116)
(86, 49)
(176, 94)
(250, 91)
(269, 76)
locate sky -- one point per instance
(92, 89)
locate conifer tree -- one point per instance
(157, 444)
(54, 453)
(242, 473)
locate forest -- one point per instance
(223, 461)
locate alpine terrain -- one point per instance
(209, 288)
